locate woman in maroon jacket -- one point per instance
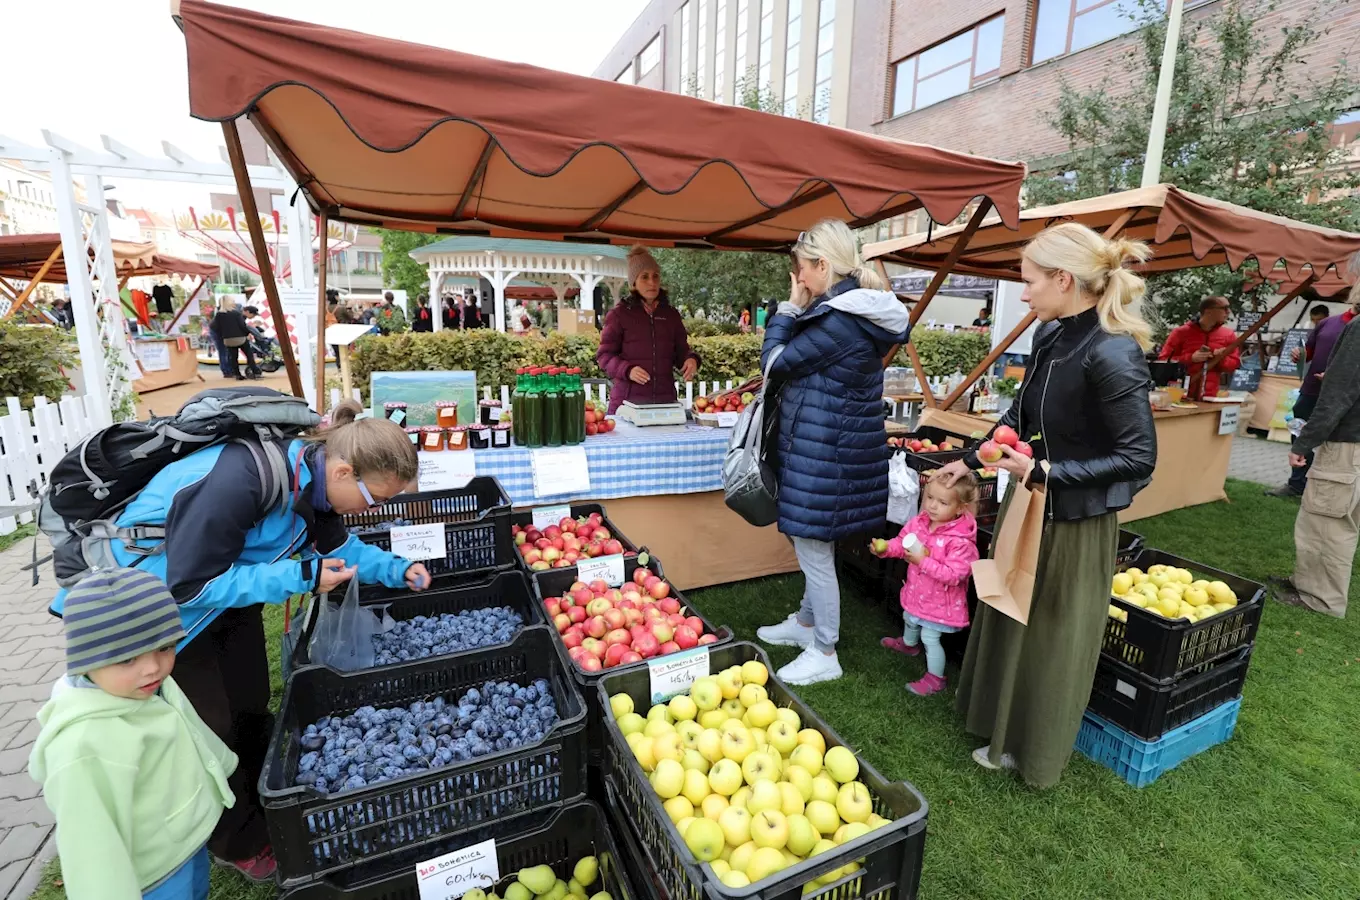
(644, 339)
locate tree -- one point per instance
(398, 269)
(1248, 123)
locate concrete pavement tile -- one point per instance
(22, 843)
(18, 787)
(33, 811)
(25, 736)
(17, 692)
(10, 875)
(13, 661)
(14, 761)
(22, 711)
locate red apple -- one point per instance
(646, 646)
(614, 654)
(652, 614)
(598, 607)
(600, 534)
(638, 632)
(632, 596)
(551, 555)
(1005, 434)
(618, 636)
(561, 564)
(571, 639)
(567, 524)
(708, 639)
(675, 620)
(561, 622)
(663, 632)
(668, 647)
(571, 557)
(599, 586)
(615, 618)
(585, 530)
(612, 546)
(553, 606)
(989, 452)
(632, 616)
(542, 543)
(596, 627)
(576, 614)
(669, 605)
(596, 518)
(520, 539)
(559, 544)
(659, 589)
(551, 532)
(582, 596)
(540, 566)
(1024, 449)
(641, 574)
(685, 637)
(577, 654)
(591, 664)
(630, 657)
(591, 428)
(595, 550)
(532, 556)
(594, 646)
(649, 581)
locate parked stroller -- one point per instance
(266, 353)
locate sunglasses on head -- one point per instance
(367, 495)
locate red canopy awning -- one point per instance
(385, 132)
(23, 255)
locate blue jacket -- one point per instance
(833, 448)
(220, 554)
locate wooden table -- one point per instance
(183, 365)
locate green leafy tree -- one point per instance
(398, 269)
(1249, 123)
(31, 360)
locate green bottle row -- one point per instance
(548, 407)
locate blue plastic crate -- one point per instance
(1141, 762)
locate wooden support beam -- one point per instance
(911, 351)
(34, 282)
(271, 289)
(1259, 323)
(188, 301)
(325, 225)
(477, 174)
(612, 207)
(801, 200)
(947, 264)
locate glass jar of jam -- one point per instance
(489, 412)
(396, 411)
(414, 435)
(500, 436)
(458, 437)
(446, 413)
(479, 437)
(431, 438)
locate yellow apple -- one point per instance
(1167, 606)
(764, 795)
(1121, 584)
(668, 746)
(741, 797)
(853, 802)
(877, 821)
(643, 751)
(735, 879)
(1221, 593)
(758, 735)
(1159, 579)
(737, 745)
(784, 714)
(754, 672)
(683, 824)
(853, 830)
(1184, 576)
(668, 778)
(713, 806)
(693, 759)
(807, 756)
(631, 722)
(799, 778)
(678, 808)
(736, 827)
(704, 839)
(729, 682)
(689, 732)
(725, 777)
(823, 816)
(620, 705)
(720, 867)
(758, 767)
(792, 800)
(742, 853)
(751, 694)
(733, 708)
(712, 718)
(803, 836)
(824, 788)
(813, 737)
(633, 738)
(1137, 574)
(733, 723)
(770, 828)
(682, 707)
(841, 764)
(709, 744)
(761, 713)
(696, 787)
(765, 862)
(655, 727)
(662, 712)
(706, 693)
(1196, 597)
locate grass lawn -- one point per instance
(14, 537)
(1271, 814)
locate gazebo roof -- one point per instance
(462, 244)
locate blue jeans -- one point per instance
(914, 634)
(1303, 408)
(188, 882)
(821, 607)
(221, 353)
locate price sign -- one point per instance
(1294, 339)
(608, 569)
(441, 471)
(153, 355)
(418, 542)
(1003, 478)
(495, 413)
(1227, 419)
(728, 419)
(560, 470)
(949, 327)
(452, 875)
(550, 515)
(398, 416)
(675, 674)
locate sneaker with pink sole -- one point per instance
(258, 868)
(897, 645)
(927, 684)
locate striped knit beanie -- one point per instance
(115, 615)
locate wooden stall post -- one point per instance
(271, 288)
(321, 314)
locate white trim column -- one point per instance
(81, 290)
(436, 302)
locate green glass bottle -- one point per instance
(533, 410)
(552, 409)
(573, 414)
(517, 407)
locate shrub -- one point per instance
(945, 352)
(698, 328)
(31, 359)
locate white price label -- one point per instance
(728, 419)
(443, 471)
(560, 470)
(398, 416)
(1003, 478)
(1227, 419)
(419, 542)
(550, 515)
(949, 327)
(452, 875)
(500, 438)
(495, 413)
(675, 674)
(1123, 687)
(608, 569)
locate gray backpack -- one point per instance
(750, 488)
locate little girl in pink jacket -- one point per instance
(939, 544)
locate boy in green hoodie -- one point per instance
(135, 779)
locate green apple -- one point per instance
(758, 767)
(792, 801)
(720, 867)
(761, 714)
(704, 839)
(669, 777)
(682, 708)
(733, 708)
(689, 731)
(654, 727)
(730, 683)
(841, 764)
(517, 891)
(620, 705)
(741, 855)
(802, 835)
(709, 744)
(770, 828)
(824, 788)
(712, 718)
(705, 693)
(645, 757)
(660, 711)
(853, 802)
(764, 863)
(782, 736)
(814, 737)
(714, 806)
(586, 870)
(693, 759)
(725, 777)
(754, 672)
(809, 757)
(735, 879)
(737, 745)
(765, 795)
(799, 778)
(631, 722)
(668, 746)
(823, 816)
(852, 830)
(741, 797)
(696, 787)
(678, 809)
(784, 714)
(736, 825)
(538, 879)
(559, 890)
(751, 694)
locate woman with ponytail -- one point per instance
(1084, 409)
(825, 347)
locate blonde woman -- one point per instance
(1084, 408)
(832, 334)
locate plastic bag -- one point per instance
(904, 490)
(344, 632)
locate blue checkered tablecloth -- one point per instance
(624, 463)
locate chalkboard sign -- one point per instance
(1245, 379)
(1247, 319)
(1293, 338)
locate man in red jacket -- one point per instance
(1202, 347)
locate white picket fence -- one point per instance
(31, 443)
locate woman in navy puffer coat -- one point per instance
(830, 336)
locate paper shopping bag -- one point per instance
(1006, 581)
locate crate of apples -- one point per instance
(566, 543)
(728, 401)
(603, 627)
(596, 420)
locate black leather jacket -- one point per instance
(1094, 417)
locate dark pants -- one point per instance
(224, 671)
(234, 360)
(221, 348)
(1303, 408)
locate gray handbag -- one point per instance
(750, 488)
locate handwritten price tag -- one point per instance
(1227, 419)
(442, 471)
(560, 470)
(728, 419)
(675, 674)
(607, 568)
(452, 875)
(550, 515)
(419, 542)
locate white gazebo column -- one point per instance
(436, 302)
(500, 279)
(82, 290)
(588, 281)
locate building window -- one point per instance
(686, 65)
(763, 59)
(650, 56)
(826, 45)
(720, 54)
(792, 35)
(626, 76)
(701, 45)
(1066, 26)
(949, 68)
(739, 67)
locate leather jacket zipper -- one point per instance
(1043, 430)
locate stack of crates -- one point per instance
(1166, 689)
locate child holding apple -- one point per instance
(939, 545)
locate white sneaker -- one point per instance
(982, 756)
(810, 667)
(788, 633)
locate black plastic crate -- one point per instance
(557, 839)
(314, 834)
(580, 509)
(510, 588)
(644, 876)
(1165, 649)
(1149, 709)
(937, 435)
(988, 503)
(476, 533)
(890, 856)
(553, 583)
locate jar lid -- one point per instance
(445, 404)
(393, 404)
(503, 427)
(479, 427)
(431, 429)
(488, 403)
(413, 430)
(459, 428)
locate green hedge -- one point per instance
(495, 356)
(31, 357)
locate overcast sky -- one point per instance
(83, 68)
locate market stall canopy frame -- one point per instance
(401, 135)
(1185, 230)
(22, 257)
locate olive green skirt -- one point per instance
(1025, 687)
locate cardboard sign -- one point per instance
(442, 471)
(153, 355)
(560, 470)
(675, 674)
(550, 515)
(419, 542)
(608, 569)
(1227, 419)
(452, 875)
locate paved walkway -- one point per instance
(32, 656)
(1264, 462)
